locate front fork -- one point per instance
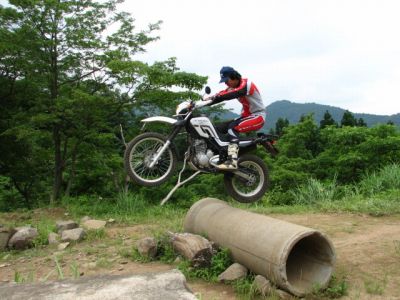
(160, 151)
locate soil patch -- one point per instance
(368, 254)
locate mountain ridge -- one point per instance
(293, 111)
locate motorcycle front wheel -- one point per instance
(253, 188)
(139, 155)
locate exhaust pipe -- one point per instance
(294, 257)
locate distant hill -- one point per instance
(293, 111)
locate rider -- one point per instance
(252, 115)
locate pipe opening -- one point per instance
(310, 263)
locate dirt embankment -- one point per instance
(368, 254)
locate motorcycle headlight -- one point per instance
(183, 108)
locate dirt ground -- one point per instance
(368, 255)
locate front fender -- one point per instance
(160, 119)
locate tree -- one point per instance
(280, 125)
(69, 80)
(348, 119)
(301, 140)
(361, 123)
(327, 120)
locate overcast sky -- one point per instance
(342, 53)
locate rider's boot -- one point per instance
(232, 161)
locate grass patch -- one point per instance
(219, 263)
(103, 263)
(19, 278)
(95, 234)
(374, 286)
(337, 287)
(244, 287)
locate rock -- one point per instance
(147, 247)
(4, 265)
(71, 235)
(193, 247)
(284, 295)
(234, 271)
(65, 225)
(23, 238)
(5, 234)
(63, 246)
(262, 285)
(169, 285)
(84, 219)
(110, 221)
(53, 238)
(94, 224)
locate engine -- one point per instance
(202, 155)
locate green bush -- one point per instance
(10, 199)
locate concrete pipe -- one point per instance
(294, 257)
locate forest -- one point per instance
(72, 91)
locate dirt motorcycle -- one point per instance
(151, 158)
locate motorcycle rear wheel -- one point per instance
(138, 157)
(248, 191)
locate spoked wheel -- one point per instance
(254, 185)
(140, 154)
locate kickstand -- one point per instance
(179, 183)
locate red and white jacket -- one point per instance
(247, 94)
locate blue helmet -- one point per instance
(225, 73)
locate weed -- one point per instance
(44, 227)
(125, 252)
(44, 279)
(95, 234)
(244, 287)
(375, 287)
(315, 192)
(19, 278)
(165, 251)
(74, 270)
(136, 256)
(58, 268)
(103, 263)
(219, 263)
(337, 287)
(386, 178)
